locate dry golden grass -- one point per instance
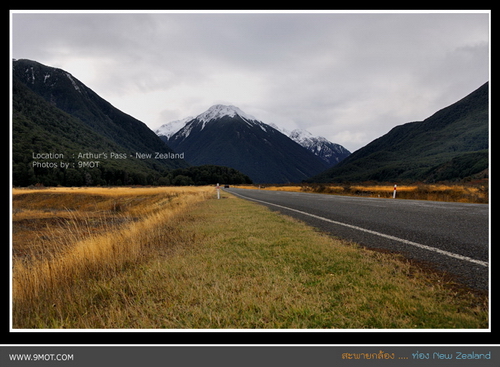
(62, 236)
(46, 220)
(437, 192)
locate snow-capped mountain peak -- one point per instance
(327, 151)
(217, 111)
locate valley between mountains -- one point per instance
(117, 226)
(53, 112)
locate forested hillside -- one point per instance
(64, 134)
(438, 148)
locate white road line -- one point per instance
(429, 248)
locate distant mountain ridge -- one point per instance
(452, 144)
(227, 136)
(329, 152)
(167, 130)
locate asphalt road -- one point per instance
(450, 237)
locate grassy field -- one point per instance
(178, 258)
(63, 237)
(466, 193)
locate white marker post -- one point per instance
(394, 194)
(218, 191)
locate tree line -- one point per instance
(24, 175)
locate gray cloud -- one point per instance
(348, 77)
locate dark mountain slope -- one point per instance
(413, 150)
(250, 146)
(40, 126)
(67, 93)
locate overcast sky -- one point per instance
(349, 77)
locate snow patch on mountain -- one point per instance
(77, 88)
(303, 137)
(281, 130)
(172, 127)
(218, 111)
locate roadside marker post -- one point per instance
(218, 191)
(394, 194)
